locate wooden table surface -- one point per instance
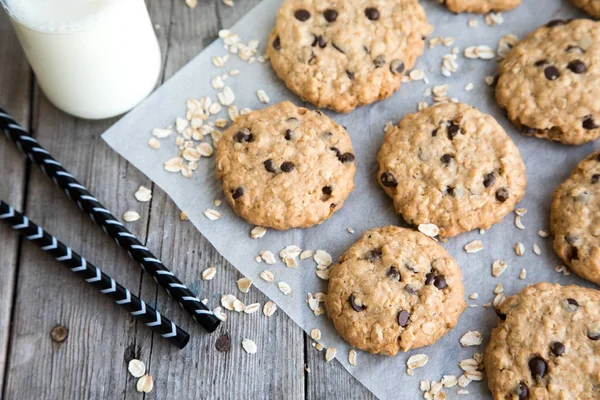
(37, 294)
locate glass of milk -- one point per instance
(93, 59)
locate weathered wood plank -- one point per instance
(89, 364)
(15, 81)
(331, 380)
(199, 371)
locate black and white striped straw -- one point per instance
(109, 223)
(92, 275)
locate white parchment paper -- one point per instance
(547, 163)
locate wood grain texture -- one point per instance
(15, 81)
(90, 363)
(276, 371)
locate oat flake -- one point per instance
(267, 276)
(285, 288)
(322, 258)
(471, 338)
(209, 273)
(315, 334)
(330, 354)
(249, 346)
(474, 246)
(211, 214)
(258, 232)
(244, 284)
(136, 368)
(269, 308)
(144, 384)
(417, 361)
(252, 308)
(430, 230)
(131, 216)
(352, 357)
(498, 267)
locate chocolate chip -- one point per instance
(403, 317)
(337, 151)
(241, 137)
(557, 348)
(277, 43)
(394, 274)
(435, 132)
(552, 73)
(397, 67)
(573, 304)
(302, 15)
(337, 48)
(330, 15)
(556, 22)
(593, 335)
(589, 123)
(595, 178)
(372, 13)
(287, 166)
(537, 366)
(269, 165)
(440, 282)
(223, 343)
(528, 130)
(429, 278)
(539, 63)
(379, 61)
(327, 190)
(373, 255)
(577, 67)
(356, 307)
(450, 190)
(321, 41)
(388, 180)
(572, 253)
(288, 134)
(489, 179)
(350, 75)
(453, 130)
(347, 157)
(502, 195)
(522, 391)
(237, 193)
(447, 159)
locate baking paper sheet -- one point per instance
(547, 163)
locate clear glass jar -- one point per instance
(93, 59)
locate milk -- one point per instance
(92, 58)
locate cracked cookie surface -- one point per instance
(481, 6)
(343, 54)
(453, 166)
(548, 345)
(394, 289)
(285, 166)
(575, 221)
(549, 83)
(591, 7)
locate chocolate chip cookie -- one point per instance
(394, 289)
(285, 166)
(549, 83)
(453, 166)
(575, 221)
(591, 7)
(480, 6)
(546, 345)
(341, 54)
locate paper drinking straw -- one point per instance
(92, 275)
(110, 224)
